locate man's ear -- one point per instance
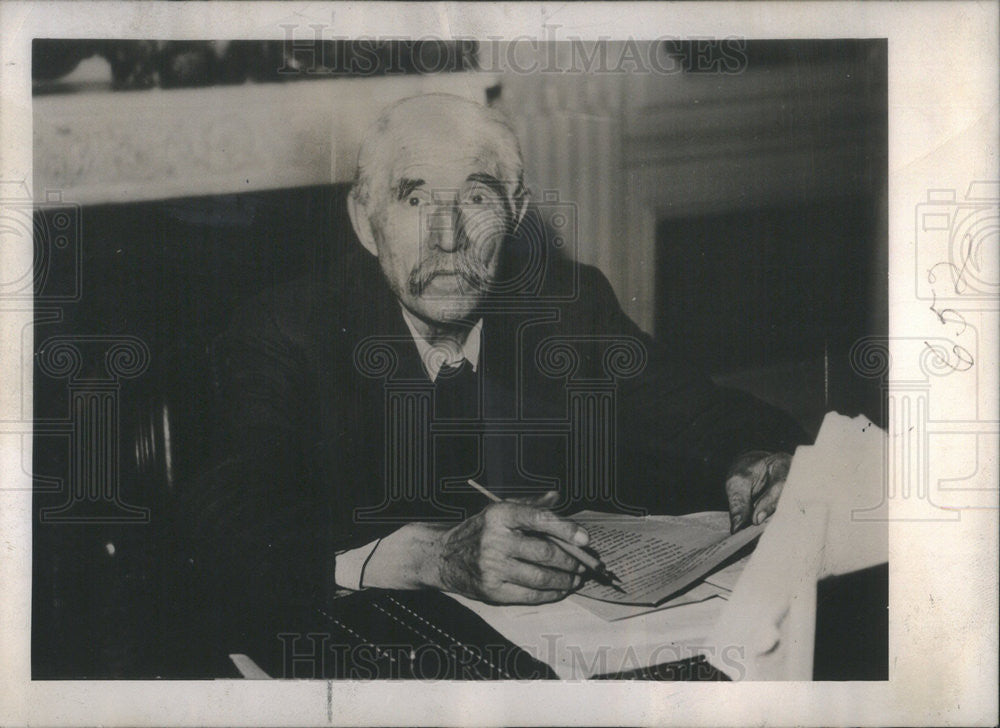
(361, 224)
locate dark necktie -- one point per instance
(456, 392)
(457, 454)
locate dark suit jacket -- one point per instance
(302, 469)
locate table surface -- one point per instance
(377, 634)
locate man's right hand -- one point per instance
(501, 555)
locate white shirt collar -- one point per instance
(435, 356)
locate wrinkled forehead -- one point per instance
(446, 161)
(456, 140)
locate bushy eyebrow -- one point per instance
(489, 180)
(406, 185)
(497, 186)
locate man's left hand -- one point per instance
(754, 485)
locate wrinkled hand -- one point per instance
(501, 556)
(753, 486)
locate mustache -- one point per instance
(468, 268)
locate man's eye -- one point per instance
(413, 201)
(477, 199)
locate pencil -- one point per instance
(588, 560)
(492, 496)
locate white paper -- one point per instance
(815, 532)
(656, 558)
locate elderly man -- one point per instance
(308, 497)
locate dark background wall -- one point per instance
(771, 301)
(105, 601)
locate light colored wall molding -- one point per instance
(106, 147)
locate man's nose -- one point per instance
(445, 228)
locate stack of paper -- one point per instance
(756, 622)
(819, 529)
(655, 556)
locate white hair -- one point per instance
(466, 122)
